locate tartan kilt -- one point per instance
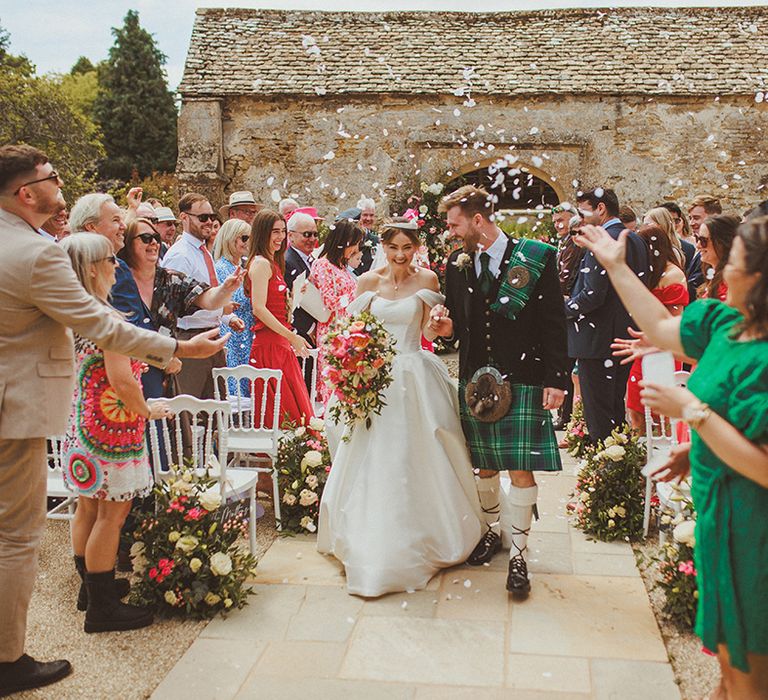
(522, 440)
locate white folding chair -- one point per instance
(55, 488)
(312, 354)
(658, 447)
(251, 436)
(209, 420)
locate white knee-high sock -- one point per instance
(520, 502)
(488, 492)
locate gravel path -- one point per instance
(120, 665)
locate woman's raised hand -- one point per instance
(597, 240)
(234, 280)
(631, 349)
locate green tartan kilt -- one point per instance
(522, 440)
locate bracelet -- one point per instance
(695, 413)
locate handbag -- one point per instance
(308, 297)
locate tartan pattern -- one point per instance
(523, 440)
(532, 255)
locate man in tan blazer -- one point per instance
(40, 300)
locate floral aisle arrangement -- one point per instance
(359, 353)
(610, 489)
(303, 460)
(186, 554)
(678, 572)
(576, 433)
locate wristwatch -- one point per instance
(695, 413)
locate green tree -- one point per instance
(134, 108)
(82, 65)
(38, 112)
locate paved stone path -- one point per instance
(587, 631)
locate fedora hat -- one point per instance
(237, 199)
(165, 214)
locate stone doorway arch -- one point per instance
(517, 185)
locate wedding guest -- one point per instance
(668, 284)
(286, 207)
(336, 283)
(242, 205)
(370, 242)
(57, 227)
(275, 345)
(701, 207)
(191, 256)
(40, 297)
(628, 217)
(680, 219)
(726, 406)
(229, 252)
(104, 455)
(714, 240)
(597, 316)
(215, 228)
(98, 213)
(166, 227)
(662, 218)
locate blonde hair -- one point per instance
(224, 245)
(662, 217)
(85, 250)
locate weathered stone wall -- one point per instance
(327, 151)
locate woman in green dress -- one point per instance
(726, 405)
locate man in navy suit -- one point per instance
(596, 316)
(302, 238)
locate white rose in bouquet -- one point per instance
(210, 499)
(221, 564)
(311, 459)
(308, 524)
(300, 431)
(615, 453)
(138, 549)
(307, 497)
(181, 486)
(187, 544)
(195, 564)
(685, 533)
(289, 499)
(316, 423)
(435, 188)
(311, 481)
(170, 598)
(211, 598)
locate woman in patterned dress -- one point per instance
(231, 246)
(337, 285)
(275, 345)
(104, 453)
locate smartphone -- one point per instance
(659, 368)
(244, 262)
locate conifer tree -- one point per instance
(134, 108)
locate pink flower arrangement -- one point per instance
(359, 352)
(687, 568)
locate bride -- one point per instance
(400, 502)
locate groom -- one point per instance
(505, 307)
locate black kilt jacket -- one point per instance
(532, 349)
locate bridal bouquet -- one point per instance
(359, 353)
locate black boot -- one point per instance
(517, 578)
(122, 585)
(105, 612)
(25, 673)
(485, 549)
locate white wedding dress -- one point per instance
(400, 502)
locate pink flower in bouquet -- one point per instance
(153, 572)
(359, 341)
(194, 514)
(357, 326)
(687, 568)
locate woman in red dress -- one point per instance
(713, 242)
(275, 345)
(668, 284)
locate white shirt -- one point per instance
(185, 256)
(306, 258)
(496, 251)
(47, 235)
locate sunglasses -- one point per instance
(245, 238)
(110, 258)
(53, 176)
(703, 241)
(310, 234)
(203, 218)
(147, 238)
(152, 219)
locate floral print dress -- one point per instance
(337, 288)
(104, 455)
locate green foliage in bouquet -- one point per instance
(610, 489)
(359, 353)
(186, 554)
(678, 574)
(576, 433)
(303, 460)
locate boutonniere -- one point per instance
(463, 261)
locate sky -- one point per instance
(53, 34)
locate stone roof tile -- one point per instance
(678, 51)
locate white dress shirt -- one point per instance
(185, 256)
(308, 260)
(496, 250)
(47, 235)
